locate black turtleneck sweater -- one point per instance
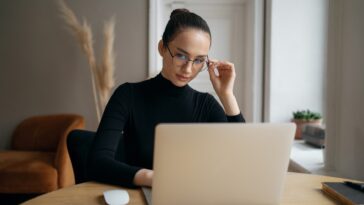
(124, 140)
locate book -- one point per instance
(343, 193)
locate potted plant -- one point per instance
(304, 117)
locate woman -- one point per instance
(122, 151)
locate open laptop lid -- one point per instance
(224, 163)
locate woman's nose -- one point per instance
(187, 68)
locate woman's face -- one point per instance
(192, 43)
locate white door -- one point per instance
(231, 26)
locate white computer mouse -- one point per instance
(116, 197)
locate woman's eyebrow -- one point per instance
(183, 51)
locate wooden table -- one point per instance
(299, 189)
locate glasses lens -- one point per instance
(180, 60)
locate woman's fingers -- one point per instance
(224, 65)
(213, 64)
(220, 65)
(223, 68)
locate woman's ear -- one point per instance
(161, 48)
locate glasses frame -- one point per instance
(192, 60)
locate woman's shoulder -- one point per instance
(131, 86)
(206, 96)
(123, 87)
(198, 93)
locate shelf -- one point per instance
(306, 158)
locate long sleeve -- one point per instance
(102, 163)
(217, 114)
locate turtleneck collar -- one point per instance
(166, 87)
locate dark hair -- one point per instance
(181, 19)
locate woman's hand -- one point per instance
(144, 177)
(223, 83)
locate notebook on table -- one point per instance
(343, 193)
(222, 163)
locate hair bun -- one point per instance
(179, 11)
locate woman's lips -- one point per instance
(182, 78)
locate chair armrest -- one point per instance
(62, 160)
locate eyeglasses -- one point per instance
(200, 63)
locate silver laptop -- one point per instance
(224, 163)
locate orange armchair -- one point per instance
(38, 161)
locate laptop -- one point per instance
(222, 163)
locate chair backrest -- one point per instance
(43, 133)
(79, 143)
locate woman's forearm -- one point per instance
(230, 104)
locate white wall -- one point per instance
(295, 57)
(345, 130)
(42, 69)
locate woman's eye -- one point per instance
(199, 61)
(181, 56)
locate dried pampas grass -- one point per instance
(106, 68)
(102, 76)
